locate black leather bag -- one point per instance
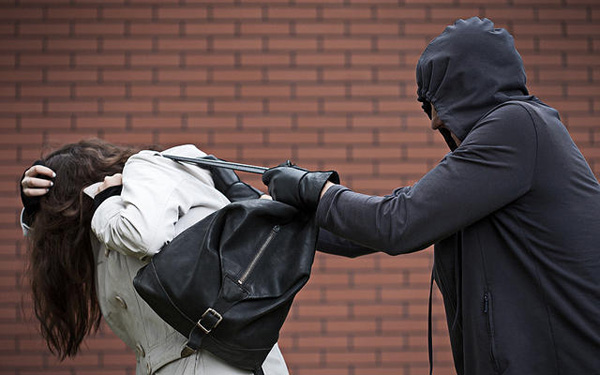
(228, 282)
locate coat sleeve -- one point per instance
(156, 193)
(493, 167)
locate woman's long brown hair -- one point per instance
(61, 261)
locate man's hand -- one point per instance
(296, 186)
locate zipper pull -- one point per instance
(486, 303)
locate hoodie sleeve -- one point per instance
(492, 167)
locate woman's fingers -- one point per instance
(114, 180)
(34, 183)
(40, 169)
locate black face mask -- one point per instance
(448, 138)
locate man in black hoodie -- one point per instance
(513, 211)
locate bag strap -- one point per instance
(218, 163)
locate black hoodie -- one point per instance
(514, 213)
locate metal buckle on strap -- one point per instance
(209, 313)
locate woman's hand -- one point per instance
(110, 181)
(34, 186)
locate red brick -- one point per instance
(72, 13)
(293, 13)
(400, 13)
(19, 45)
(328, 342)
(402, 44)
(182, 75)
(348, 106)
(127, 44)
(21, 75)
(217, 122)
(320, 59)
(237, 44)
(319, 28)
(265, 59)
(80, 106)
(239, 137)
(237, 13)
(558, 13)
(126, 75)
(181, 106)
(398, 105)
(44, 29)
(194, 44)
(450, 14)
(129, 138)
(347, 13)
(265, 28)
(348, 43)
(267, 122)
(100, 91)
(237, 75)
(223, 28)
(320, 90)
(113, 28)
(359, 358)
(371, 59)
(353, 74)
(265, 91)
(375, 90)
(168, 122)
(100, 60)
(210, 91)
(181, 137)
(378, 28)
(238, 106)
(103, 122)
(292, 75)
(46, 123)
(534, 29)
(73, 44)
(564, 44)
(155, 60)
(127, 106)
(44, 60)
(293, 106)
(16, 107)
(210, 59)
(153, 28)
(21, 13)
(293, 44)
(127, 13)
(179, 13)
(39, 91)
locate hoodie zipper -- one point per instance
(487, 310)
(242, 279)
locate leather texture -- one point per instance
(227, 282)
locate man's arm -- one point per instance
(493, 167)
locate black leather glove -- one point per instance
(228, 183)
(297, 186)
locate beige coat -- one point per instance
(160, 198)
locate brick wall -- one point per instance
(327, 84)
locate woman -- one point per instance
(85, 252)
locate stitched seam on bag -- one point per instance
(169, 297)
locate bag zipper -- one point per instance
(258, 255)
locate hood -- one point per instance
(466, 71)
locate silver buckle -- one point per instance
(214, 313)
